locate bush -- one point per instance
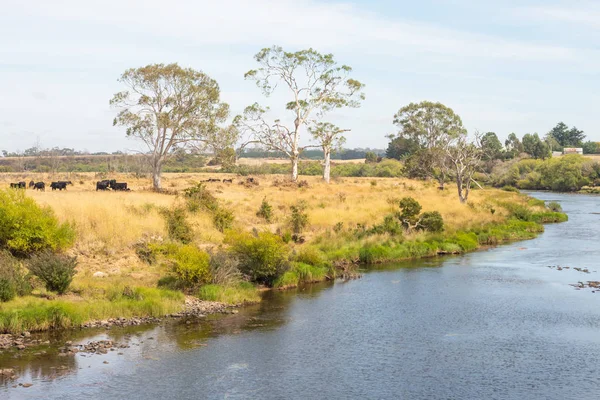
(240, 293)
(223, 219)
(262, 257)
(510, 189)
(390, 225)
(191, 266)
(299, 218)
(224, 269)
(554, 206)
(26, 228)
(265, 211)
(432, 221)
(200, 198)
(409, 210)
(178, 228)
(14, 281)
(311, 256)
(55, 270)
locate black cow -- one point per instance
(119, 186)
(102, 185)
(18, 185)
(58, 185)
(212, 180)
(31, 184)
(39, 186)
(66, 182)
(227, 180)
(14, 185)
(22, 185)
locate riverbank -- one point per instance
(346, 227)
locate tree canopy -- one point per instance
(566, 137)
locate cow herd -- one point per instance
(218, 180)
(112, 184)
(41, 186)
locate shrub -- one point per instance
(299, 217)
(311, 256)
(554, 206)
(510, 189)
(200, 198)
(224, 269)
(55, 270)
(374, 253)
(390, 225)
(178, 228)
(223, 219)
(265, 211)
(191, 266)
(26, 227)
(262, 257)
(432, 221)
(409, 209)
(14, 281)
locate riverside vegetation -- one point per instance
(77, 256)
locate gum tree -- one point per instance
(430, 127)
(330, 139)
(315, 84)
(168, 107)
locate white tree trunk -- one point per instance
(156, 171)
(294, 168)
(327, 166)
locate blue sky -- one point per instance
(503, 66)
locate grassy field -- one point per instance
(109, 224)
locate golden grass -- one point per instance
(108, 224)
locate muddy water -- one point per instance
(496, 324)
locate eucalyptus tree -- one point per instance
(464, 157)
(430, 127)
(330, 139)
(168, 107)
(315, 84)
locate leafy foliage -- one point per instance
(55, 270)
(432, 221)
(26, 228)
(298, 218)
(262, 257)
(191, 266)
(265, 211)
(178, 227)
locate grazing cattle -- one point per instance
(102, 185)
(66, 182)
(18, 185)
(227, 180)
(39, 186)
(22, 185)
(119, 186)
(212, 180)
(31, 184)
(14, 185)
(58, 185)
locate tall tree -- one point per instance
(513, 146)
(330, 139)
(317, 85)
(168, 107)
(401, 147)
(567, 137)
(431, 126)
(465, 158)
(491, 147)
(535, 147)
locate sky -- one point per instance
(504, 66)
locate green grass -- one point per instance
(35, 314)
(242, 293)
(301, 273)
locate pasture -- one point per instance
(110, 223)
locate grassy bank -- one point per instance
(125, 248)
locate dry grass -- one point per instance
(110, 223)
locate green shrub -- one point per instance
(299, 218)
(178, 228)
(55, 270)
(311, 256)
(518, 211)
(14, 281)
(26, 228)
(200, 198)
(265, 211)
(432, 221)
(224, 269)
(223, 219)
(390, 225)
(554, 206)
(262, 257)
(191, 266)
(510, 189)
(374, 253)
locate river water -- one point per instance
(494, 324)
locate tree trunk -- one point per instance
(156, 171)
(327, 166)
(459, 186)
(294, 159)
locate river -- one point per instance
(493, 324)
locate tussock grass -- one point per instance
(241, 293)
(36, 314)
